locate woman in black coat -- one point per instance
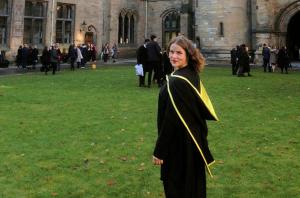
(283, 59)
(183, 108)
(244, 61)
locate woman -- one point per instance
(273, 58)
(283, 59)
(183, 108)
(244, 61)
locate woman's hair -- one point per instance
(194, 57)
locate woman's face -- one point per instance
(178, 57)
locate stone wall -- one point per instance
(252, 22)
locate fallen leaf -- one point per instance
(110, 182)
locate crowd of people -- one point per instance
(240, 60)
(153, 59)
(271, 56)
(51, 57)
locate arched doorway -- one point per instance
(287, 27)
(91, 35)
(293, 36)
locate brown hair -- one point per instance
(194, 56)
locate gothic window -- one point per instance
(65, 23)
(131, 29)
(3, 21)
(120, 40)
(126, 33)
(171, 26)
(34, 22)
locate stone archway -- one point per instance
(293, 36)
(91, 35)
(285, 23)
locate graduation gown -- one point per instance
(183, 109)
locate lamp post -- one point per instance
(83, 26)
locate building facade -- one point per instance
(216, 26)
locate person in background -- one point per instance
(183, 107)
(72, 55)
(141, 56)
(244, 62)
(154, 59)
(84, 52)
(45, 60)
(233, 55)
(167, 66)
(93, 52)
(53, 58)
(106, 52)
(79, 56)
(273, 58)
(114, 52)
(34, 56)
(19, 57)
(25, 56)
(60, 56)
(283, 59)
(266, 53)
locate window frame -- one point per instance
(31, 17)
(127, 28)
(69, 18)
(6, 15)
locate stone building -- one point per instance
(214, 25)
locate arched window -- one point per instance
(171, 26)
(120, 35)
(131, 30)
(126, 23)
(126, 33)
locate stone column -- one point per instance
(17, 28)
(184, 19)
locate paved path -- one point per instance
(15, 70)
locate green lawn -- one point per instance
(91, 133)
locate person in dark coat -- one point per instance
(141, 56)
(167, 66)
(183, 107)
(154, 59)
(244, 61)
(34, 56)
(72, 55)
(25, 56)
(283, 59)
(266, 53)
(45, 60)
(233, 55)
(53, 58)
(19, 56)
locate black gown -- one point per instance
(182, 135)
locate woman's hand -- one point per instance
(157, 161)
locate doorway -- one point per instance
(89, 37)
(293, 38)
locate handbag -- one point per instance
(139, 70)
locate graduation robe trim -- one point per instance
(202, 94)
(184, 122)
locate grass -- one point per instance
(91, 133)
